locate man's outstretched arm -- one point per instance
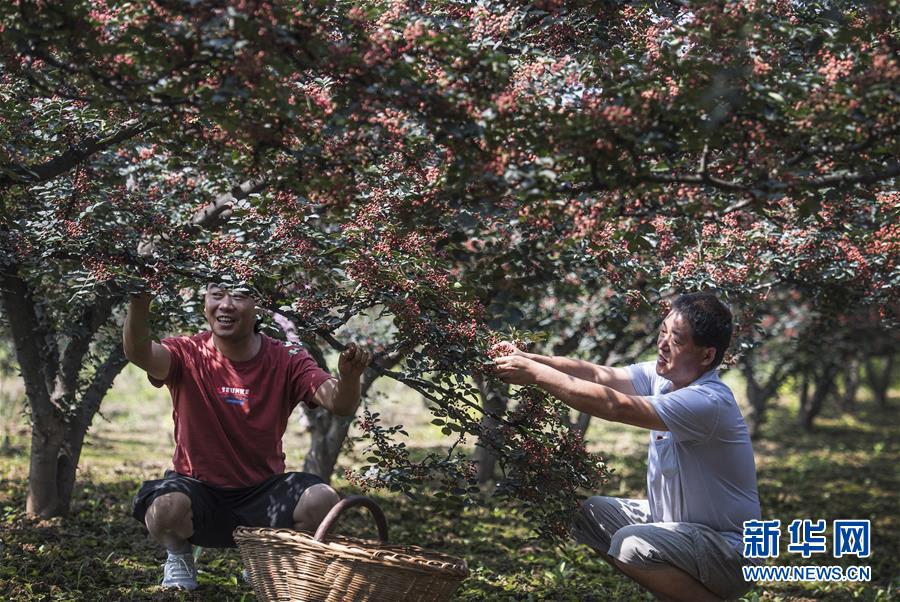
(590, 397)
(340, 396)
(139, 347)
(614, 378)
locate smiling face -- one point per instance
(231, 314)
(678, 358)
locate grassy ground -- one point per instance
(846, 469)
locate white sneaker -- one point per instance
(179, 571)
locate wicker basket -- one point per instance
(283, 564)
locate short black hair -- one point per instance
(710, 320)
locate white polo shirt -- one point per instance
(702, 469)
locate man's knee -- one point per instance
(595, 510)
(629, 547)
(314, 504)
(590, 525)
(597, 505)
(168, 511)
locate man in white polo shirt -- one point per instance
(685, 541)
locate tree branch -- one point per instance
(843, 148)
(424, 388)
(850, 178)
(218, 211)
(100, 384)
(91, 319)
(704, 157)
(769, 185)
(696, 179)
(27, 335)
(20, 174)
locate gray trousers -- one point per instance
(622, 529)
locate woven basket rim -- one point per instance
(409, 557)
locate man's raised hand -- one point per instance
(353, 361)
(504, 348)
(516, 369)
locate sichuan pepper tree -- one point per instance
(589, 151)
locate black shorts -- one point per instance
(219, 510)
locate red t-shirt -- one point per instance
(230, 416)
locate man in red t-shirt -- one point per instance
(233, 390)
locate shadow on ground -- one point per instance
(846, 469)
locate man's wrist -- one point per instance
(346, 393)
(540, 372)
(354, 378)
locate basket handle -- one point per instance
(353, 501)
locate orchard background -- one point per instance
(429, 178)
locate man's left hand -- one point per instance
(516, 369)
(353, 362)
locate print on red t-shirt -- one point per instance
(230, 416)
(237, 396)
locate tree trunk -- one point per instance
(851, 374)
(805, 402)
(69, 457)
(758, 392)
(582, 423)
(77, 428)
(55, 450)
(57, 441)
(756, 416)
(327, 433)
(43, 498)
(494, 399)
(880, 383)
(811, 405)
(36, 354)
(51, 359)
(60, 412)
(803, 392)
